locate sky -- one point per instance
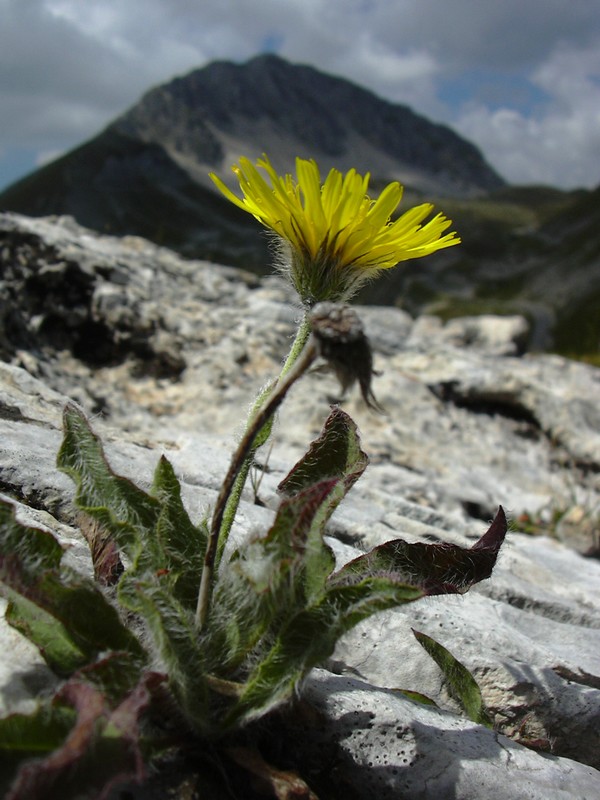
(519, 78)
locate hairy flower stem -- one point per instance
(235, 494)
(261, 419)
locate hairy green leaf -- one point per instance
(437, 568)
(117, 503)
(335, 454)
(94, 746)
(308, 638)
(296, 539)
(183, 544)
(50, 637)
(461, 684)
(63, 613)
(72, 610)
(273, 576)
(26, 735)
(33, 549)
(26, 553)
(335, 458)
(154, 530)
(187, 658)
(165, 552)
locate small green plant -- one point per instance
(182, 635)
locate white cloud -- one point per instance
(408, 77)
(68, 67)
(46, 156)
(463, 34)
(559, 141)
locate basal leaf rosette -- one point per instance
(333, 236)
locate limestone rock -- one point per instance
(166, 355)
(387, 747)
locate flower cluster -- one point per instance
(333, 236)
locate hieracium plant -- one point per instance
(180, 637)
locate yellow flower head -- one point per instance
(334, 236)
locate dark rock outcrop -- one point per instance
(273, 105)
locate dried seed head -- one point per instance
(342, 342)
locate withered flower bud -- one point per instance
(342, 342)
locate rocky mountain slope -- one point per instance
(166, 354)
(147, 173)
(530, 250)
(214, 115)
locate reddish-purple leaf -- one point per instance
(108, 567)
(492, 539)
(335, 454)
(43, 778)
(437, 568)
(101, 750)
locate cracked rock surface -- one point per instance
(389, 748)
(166, 355)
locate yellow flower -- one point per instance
(333, 236)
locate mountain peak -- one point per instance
(215, 114)
(147, 172)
